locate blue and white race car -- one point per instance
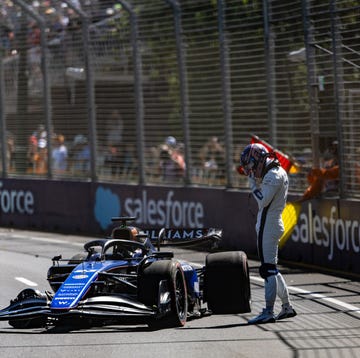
(126, 279)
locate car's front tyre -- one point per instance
(162, 284)
(28, 298)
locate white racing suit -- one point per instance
(270, 194)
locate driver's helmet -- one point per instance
(253, 159)
(125, 233)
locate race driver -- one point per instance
(268, 182)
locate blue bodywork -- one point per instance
(79, 282)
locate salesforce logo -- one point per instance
(166, 212)
(107, 205)
(16, 201)
(329, 231)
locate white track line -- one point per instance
(45, 239)
(26, 281)
(318, 296)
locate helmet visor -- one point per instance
(246, 168)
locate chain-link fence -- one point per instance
(169, 92)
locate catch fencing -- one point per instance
(169, 92)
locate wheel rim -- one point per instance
(180, 295)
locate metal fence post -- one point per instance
(139, 100)
(2, 120)
(91, 109)
(226, 92)
(46, 84)
(184, 95)
(270, 71)
(338, 86)
(311, 82)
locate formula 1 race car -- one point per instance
(127, 279)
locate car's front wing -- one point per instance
(99, 307)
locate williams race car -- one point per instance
(127, 279)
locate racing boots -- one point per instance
(267, 316)
(287, 311)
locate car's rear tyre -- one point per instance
(227, 282)
(164, 276)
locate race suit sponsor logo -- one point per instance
(16, 201)
(164, 212)
(329, 231)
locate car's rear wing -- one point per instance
(185, 237)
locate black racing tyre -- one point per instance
(28, 323)
(170, 272)
(28, 298)
(227, 282)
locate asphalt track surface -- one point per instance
(327, 324)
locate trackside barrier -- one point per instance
(322, 237)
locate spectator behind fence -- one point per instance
(212, 159)
(324, 179)
(60, 155)
(10, 150)
(56, 39)
(6, 36)
(331, 160)
(129, 161)
(36, 155)
(171, 160)
(41, 167)
(113, 144)
(80, 155)
(34, 54)
(32, 154)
